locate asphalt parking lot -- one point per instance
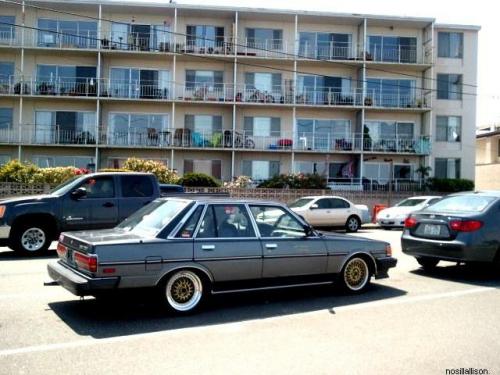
(413, 322)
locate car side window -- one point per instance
(432, 201)
(136, 186)
(274, 221)
(187, 230)
(324, 203)
(99, 187)
(226, 221)
(339, 203)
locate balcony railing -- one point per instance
(135, 90)
(10, 37)
(217, 92)
(415, 99)
(275, 94)
(328, 51)
(419, 145)
(30, 134)
(154, 42)
(221, 46)
(328, 96)
(269, 48)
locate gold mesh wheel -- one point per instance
(356, 274)
(184, 291)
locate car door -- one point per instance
(319, 212)
(75, 213)
(287, 250)
(103, 201)
(340, 211)
(136, 192)
(227, 245)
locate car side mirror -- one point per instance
(314, 206)
(308, 230)
(78, 193)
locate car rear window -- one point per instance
(137, 186)
(300, 202)
(410, 202)
(462, 203)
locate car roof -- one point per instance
(483, 193)
(322, 196)
(424, 197)
(218, 200)
(96, 174)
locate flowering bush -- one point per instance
(198, 180)
(295, 181)
(15, 171)
(241, 182)
(160, 170)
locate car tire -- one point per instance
(386, 228)
(183, 292)
(356, 275)
(352, 224)
(30, 238)
(427, 263)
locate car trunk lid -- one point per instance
(437, 225)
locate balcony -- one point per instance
(138, 42)
(10, 38)
(328, 96)
(420, 145)
(399, 54)
(268, 48)
(221, 46)
(412, 100)
(329, 51)
(29, 134)
(74, 86)
(134, 90)
(60, 40)
(216, 92)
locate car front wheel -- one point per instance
(428, 263)
(352, 224)
(30, 238)
(183, 292)
(355, 275)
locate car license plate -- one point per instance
(432, 229)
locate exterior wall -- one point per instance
(487, 177)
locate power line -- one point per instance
(213, 58)
(236, 44)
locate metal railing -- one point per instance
(329, 96)
(30, 134)
(216, 92)
(420, 145)
(328, 51)
(270, 48)
(154, 42)
(135, 90)
(220, 46)
(10, 37)
(414, 99)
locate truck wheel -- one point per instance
(427, 263)
(30, 238)
(352, 224)
(183, 292)
(355, 276)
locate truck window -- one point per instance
(100, 187)
(136, 186)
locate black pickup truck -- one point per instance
(92, 201)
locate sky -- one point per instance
(479, 12)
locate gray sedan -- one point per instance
(461, 227)
(188, 249)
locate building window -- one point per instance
(393, 48)
(209, 167)
(6, 120)
(262, 126)
(449, 86)
(4, 159)
(331, 46)
(450, 45)
(43, 161)
(203, 36)
(137, 129)
(261, 38)
(260, 170)
(448, 128)
(447, 168)
(377, 172)
(316, 134)
(139, 83)
(67, 33)
(311, 167)
(6, 74)
(65, 127)
(200, 131)
(313, 89)
(66, 80)
(138, 37)
(7, 28)
(385, 92)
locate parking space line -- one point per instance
(93, 341)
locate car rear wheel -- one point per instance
(183, 292)
(30, 238)
(352, 224)
(355, 276)
(427, 263)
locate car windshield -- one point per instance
(65, 186)
(410, 202)
(150, 220)
(462, 203)
(300, 202)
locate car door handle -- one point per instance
(271, 246)
(108, 204)
(208, 247)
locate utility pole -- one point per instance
(391, 175)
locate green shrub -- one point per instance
(54, 176)
(450, 185)
(198, 180)
(160, 170)
(114, 170)
(15, 171)
(295, 181)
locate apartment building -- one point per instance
(232, 91)
(488, 158)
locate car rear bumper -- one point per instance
(77, 283)
(445, 250)
(394, 222)
(383, 265)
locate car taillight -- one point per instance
(61, 250)
(465, 225)
(410, 222)
(388, 250)
(87, 262)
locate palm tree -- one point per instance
(424, 172)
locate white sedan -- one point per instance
(394, 217)
(332, 211)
